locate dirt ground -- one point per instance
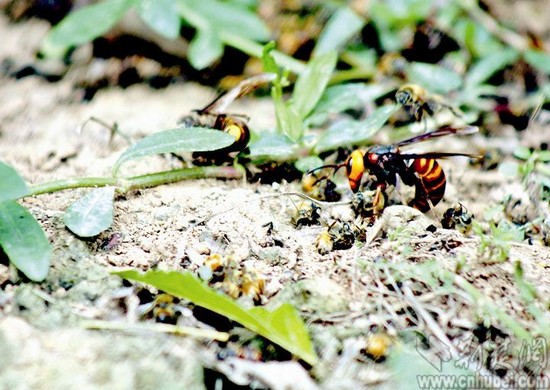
(43, 344)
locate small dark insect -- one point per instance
(165, 308)
(458, 218)
(247, 352)
(320, 188)
(418, 102)
(227, 275)
(342, 235)
(214, 116)
(421, 170)
(111, 242)
(306, 214)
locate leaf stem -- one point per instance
(175, 175)
(125, 185)
(60, 185)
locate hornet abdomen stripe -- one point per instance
(430, 186)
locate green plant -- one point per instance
(213, 21)
(22, 237)
(283, 325)
(495, 247)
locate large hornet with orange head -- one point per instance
(421, 170)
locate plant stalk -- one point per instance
(125, 185)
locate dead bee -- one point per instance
(377, 346)
(320, 188)
(164, 308)
(214, 116)
(339, 235)
(342, 235)
(253, 285)
(367, 205)
(324, 242)
(489, 160)
(213, 268)
(227, 275)
(234, 350)
(306, 214)
(458, 218)
(418, 102)
(421, 170)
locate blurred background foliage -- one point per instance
(492, 71)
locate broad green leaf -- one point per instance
(307, 163)
(91, 214)
(312, 83)
(538, 59)
(340, 28)
(522, 152)
(224, 16)
(24, 241)
(275, 146)
(205, 48)
(489, 65)
(435, 78)
(12, 186)
(185, 139)
(84, 25)
(543, 155)
(283, 326)
(161, 16)
(348, 133)
(476, 38)
(339, 98)
(418, 366)
(288, 120)
(397, 13)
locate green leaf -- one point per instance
(289, 120)
(312, 83)
(489, 65)
(92, 213)
(24, 241)
(224, 16)
(306, 163)
(435, 78)
(538, 59)
(161, 16)
(274, 146)
(347, 133)
(205, 48)
(185, 139)
(478, 40)
(283, 326)
(543, 155)
(270, 66)
(12, 186)
(84, 25)
(340, 28)
(522, 152)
